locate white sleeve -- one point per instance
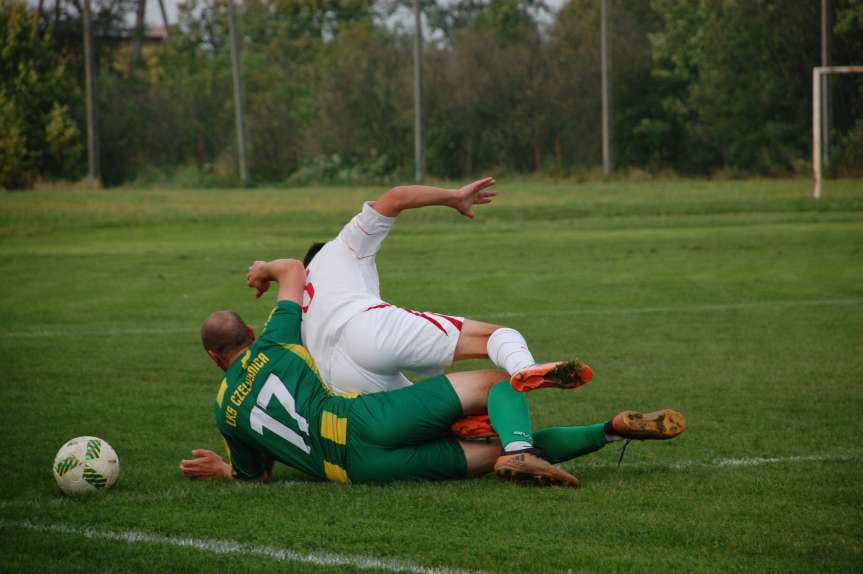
(364, 233)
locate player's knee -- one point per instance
(473, 340)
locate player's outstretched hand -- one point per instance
(473, 194)
(206, 464)
(259, 278)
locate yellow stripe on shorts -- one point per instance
(334, 428)
(335, 473)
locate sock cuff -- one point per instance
(508, 350)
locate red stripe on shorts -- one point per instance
(452, 320)
(456, 323)
(427, 318)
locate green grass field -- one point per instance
(739, 303)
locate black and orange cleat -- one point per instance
(659, 425)
(526, 467)
(561, 374)
(477, 427)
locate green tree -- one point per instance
(735, 77)
(846, 92)
(39, 138)
(486, 90)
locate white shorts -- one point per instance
(375, 346)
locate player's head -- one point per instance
(310, 254)
(224, 335)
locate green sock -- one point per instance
(563, 443)
(510, 417)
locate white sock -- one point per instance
(517, 445)
(508, 350)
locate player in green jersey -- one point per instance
(272, 405)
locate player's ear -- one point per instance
(217, 358)
(250, 333)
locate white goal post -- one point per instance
(817, 72)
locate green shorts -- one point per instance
(404, 434)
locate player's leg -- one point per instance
(445, 458)
(507, 408)
(560, 444)
(385, 340)
(425, 411)
(508, 349)
(413, 416)
(421, 412)
(442, 459)
(565, 443)
(404, 434)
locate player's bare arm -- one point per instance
(206, 464)
(288, 273)
(403, 197)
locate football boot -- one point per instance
(659, 425)
(526, 467)
(561, 374)
(473, 428)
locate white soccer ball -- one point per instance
(86, 464)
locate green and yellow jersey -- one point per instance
(273, 405)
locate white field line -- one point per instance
(503, 315)
(727, 462)
(173, 494)
(99, 332)
(679, 308)
(232, 547)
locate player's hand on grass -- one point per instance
(206, 464)
(259, 278)
(473, 194)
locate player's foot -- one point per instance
(562, 374)
(659, 425)
(527, 468)
(475, 427)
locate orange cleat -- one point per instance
(524, 467)
(562, 374)
(659, 425)
(473, 428)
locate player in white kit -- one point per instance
(362, 344)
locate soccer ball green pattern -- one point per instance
(86, 464)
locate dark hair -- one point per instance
(310, 254)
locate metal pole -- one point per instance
(89, 97)
(816, 131)
(239, 107)
(607, 161)
(164, 17)
(419, 143)
(825, 87)
(138, 38)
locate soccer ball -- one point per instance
(86, 464)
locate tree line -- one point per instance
(698, 87)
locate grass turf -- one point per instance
(739, 303)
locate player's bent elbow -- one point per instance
(392, 202)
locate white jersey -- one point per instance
(342, 279)
(361, 343)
